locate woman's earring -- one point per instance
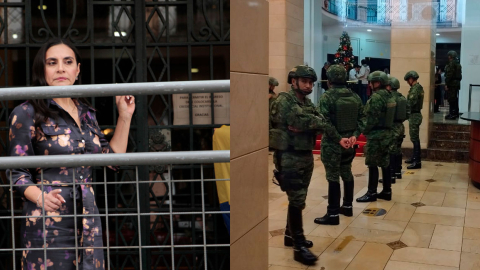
(76, 78)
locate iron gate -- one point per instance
(133, 41)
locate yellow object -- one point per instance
(221, 141)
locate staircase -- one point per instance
(449, 142)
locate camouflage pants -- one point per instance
(452, 96)
(377, 152)
(452, 93)
(399, 133)
(300, 163)
(337, 161)
(414, 123)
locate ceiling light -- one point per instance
(44, 7)
(438, 34)
(194, 70)
(369, 30)
(14, 36)
(117, 34)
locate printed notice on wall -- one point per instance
(202, 109)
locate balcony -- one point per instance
(371, 12)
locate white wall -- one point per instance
(365, 44)
(313, 40)
(470, 57)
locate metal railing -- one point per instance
(470, 95)
(199, 158)
(367, 11)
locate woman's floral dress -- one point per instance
(59, 138)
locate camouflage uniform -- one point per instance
(453, 76)
(293, 156)
(296, 158)
(344, 109)
(379, 113)
(415, 102)
(272, 95)
(402, 113)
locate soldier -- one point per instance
(272, 82)
(453, 76)
(379, 112)
(415, 101)
(344, 109)
(295, 123)
(402, 113)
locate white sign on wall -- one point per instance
(202, 109)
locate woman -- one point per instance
(61, 126)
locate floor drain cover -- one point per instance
(325, 197)
(397, 245)
(374, 212)
(431, 180)
(358, 175)
(418, 204)
(438, 165)
(277, 232)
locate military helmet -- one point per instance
(453, 54)
(378, 76)
(411, 74)
(272, 81)
(302, 71)
(337, 74)
(393, 82)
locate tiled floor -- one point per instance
(444, 234)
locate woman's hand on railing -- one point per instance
(51, 201)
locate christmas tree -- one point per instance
(344, 53)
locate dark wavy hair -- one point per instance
(42, 111)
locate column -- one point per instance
(249, 134)
(313, 40)
(286, 39)
(413, 48)
(470, 57)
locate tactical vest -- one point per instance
(387, 117)
(281, 138)
(345, 113)
(401, 109)
(418, 107)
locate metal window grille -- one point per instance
(124, 41)
(135, 161)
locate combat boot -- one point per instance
(391, 167)
(288, 239)
(410, 160)
(333, 208)
(347, 209)
(417, 162)
(300, 251)
(386, 193)
(371, 194)
(398, 167)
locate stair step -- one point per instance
(450, 127)
(440, 154)
(449, 144)
(451, 135)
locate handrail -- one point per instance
(470, 95)
(123, 159)
(102, 90)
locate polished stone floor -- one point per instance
(440, 118)
(440, 231)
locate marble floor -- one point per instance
(432, 222)
(439, 117)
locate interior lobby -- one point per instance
(433, 219)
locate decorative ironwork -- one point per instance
(132, 41)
